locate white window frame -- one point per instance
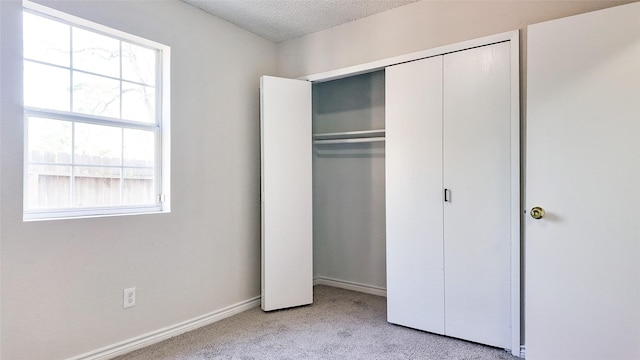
(161, 126)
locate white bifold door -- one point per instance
(450, 195)
(286, 189)
(583, 169)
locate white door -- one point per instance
(477, 211)
(413, 156)
(450, 124)
(583, 168)
(287, 232)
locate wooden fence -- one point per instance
(94, 181)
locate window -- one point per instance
(96, 119)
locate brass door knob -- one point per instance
(537, 212)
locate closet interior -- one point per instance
(348, 180)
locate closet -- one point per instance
(323, 200)
(449, 151)
(449, 194)
(348, 181)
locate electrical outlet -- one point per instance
(129, 298)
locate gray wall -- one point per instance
(348, 183)
(62, 280)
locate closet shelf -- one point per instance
(349, 137)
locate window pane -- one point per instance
(46, 86)
(46, 40)
(138, 64)
(96, 95)
(96, 53)
(97, 144)
(139, 148)
(138, 102)
(49, 141)
(92, 126)
(48, 186)
(139, 187)
(96, 186)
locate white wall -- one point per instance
(62, 280)
(418, 26)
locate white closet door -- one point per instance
(477, 172)
(583, 169)
(287, 232)
(413, 98)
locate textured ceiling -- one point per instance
(280, 20)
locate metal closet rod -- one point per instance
(348, 140)
(347, 137)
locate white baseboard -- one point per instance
(159, 335)
(522, 352)
(349, 285)
(139, 342)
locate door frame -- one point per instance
(513, 37)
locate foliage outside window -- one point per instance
(94, 119)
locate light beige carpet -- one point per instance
(341, 324)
